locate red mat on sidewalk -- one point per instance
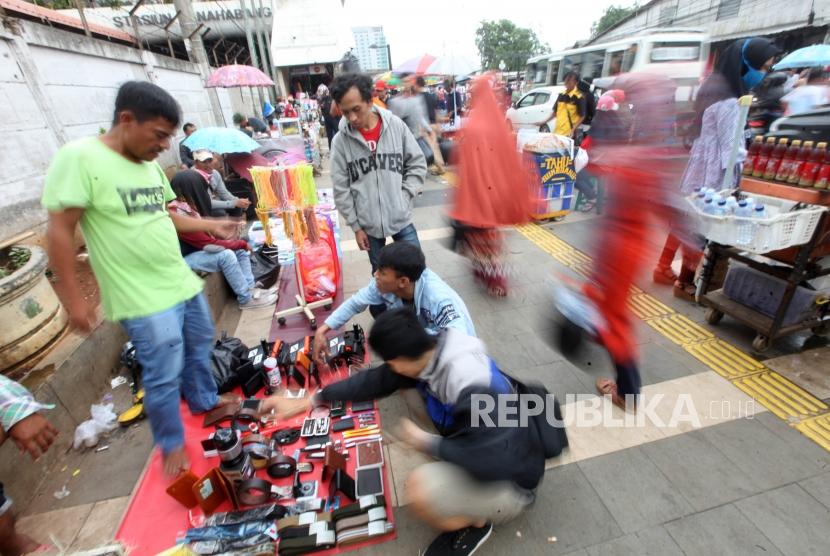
(154, 520)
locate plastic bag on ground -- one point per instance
(102, 423)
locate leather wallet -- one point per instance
(224, 413)
(369, 481)
(341, 482)
(342, 425)
(332, 461)
(213, 489)
(369, 453)
(182, 489)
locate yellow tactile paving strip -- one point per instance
(799, 408)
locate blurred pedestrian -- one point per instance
(381, 95)
(377, 168)
(326, 104)
(739, 69)
(494, 189)
(814, 94)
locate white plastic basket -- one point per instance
(779, 230)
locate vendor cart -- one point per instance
(797, 265)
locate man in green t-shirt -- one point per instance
(113, 187)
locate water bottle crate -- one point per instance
(781, 228)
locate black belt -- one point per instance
(304, 545)
(360, 520)
(280, 465)
(364, 504)
(255, 491)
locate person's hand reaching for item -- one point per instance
(321, 346)
(414, 435)
(34, 434)
(362, 240)
(284, 408)
(243, 203)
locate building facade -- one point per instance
(791, 24)
(371, 49)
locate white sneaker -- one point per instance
(257, 292)
(261, 301)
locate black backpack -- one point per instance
(590, 101)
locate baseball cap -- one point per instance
(380, 86)
(203, 155)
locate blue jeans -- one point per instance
(408, 234)
(235, 265)
(174, 348)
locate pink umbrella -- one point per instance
(237, 75)
(418, 65)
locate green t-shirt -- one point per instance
(132, 243)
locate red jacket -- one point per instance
(198, 240)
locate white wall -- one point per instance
(56, 86)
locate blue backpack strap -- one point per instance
(499, 382)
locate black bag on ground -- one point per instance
(427, 150)
(225, 359)
(554, 439)
(264, 266)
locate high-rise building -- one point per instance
(370, 49)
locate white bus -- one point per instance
(679, 54)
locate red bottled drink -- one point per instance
(763, 157)
(823, 176)
(800, 160)
(811, 168)
(787, 162)
(775, 159)
(752, 155)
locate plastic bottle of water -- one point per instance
(721, 209)
(731, 204)
(745, 228)
(708, 206)
(699, 198)
(760, 211)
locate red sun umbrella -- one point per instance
(241, 163)
(237, 75)
(418, 65)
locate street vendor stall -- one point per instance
(781, 233)
(315, 483)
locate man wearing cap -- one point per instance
(222, 201)
(381, 96)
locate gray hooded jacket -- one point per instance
(374, 192)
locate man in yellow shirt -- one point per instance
(381, 96)
(569, 108)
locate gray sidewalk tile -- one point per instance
(654, 541)
(560, 378)
(634, 490)
(567, 507)
(702, 473)
(538, 348)
(722, 531)
(764, 457)
(790, 518)
(819, 488)
(796, 442)
(659, 364)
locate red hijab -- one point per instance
(495, 185)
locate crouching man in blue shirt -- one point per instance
(402, 280)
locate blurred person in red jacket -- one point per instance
(494, 190)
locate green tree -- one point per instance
(502, 40)
(612, 16)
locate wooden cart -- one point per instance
(795, 265)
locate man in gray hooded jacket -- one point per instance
(377, 168)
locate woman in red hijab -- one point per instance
(494, 190)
